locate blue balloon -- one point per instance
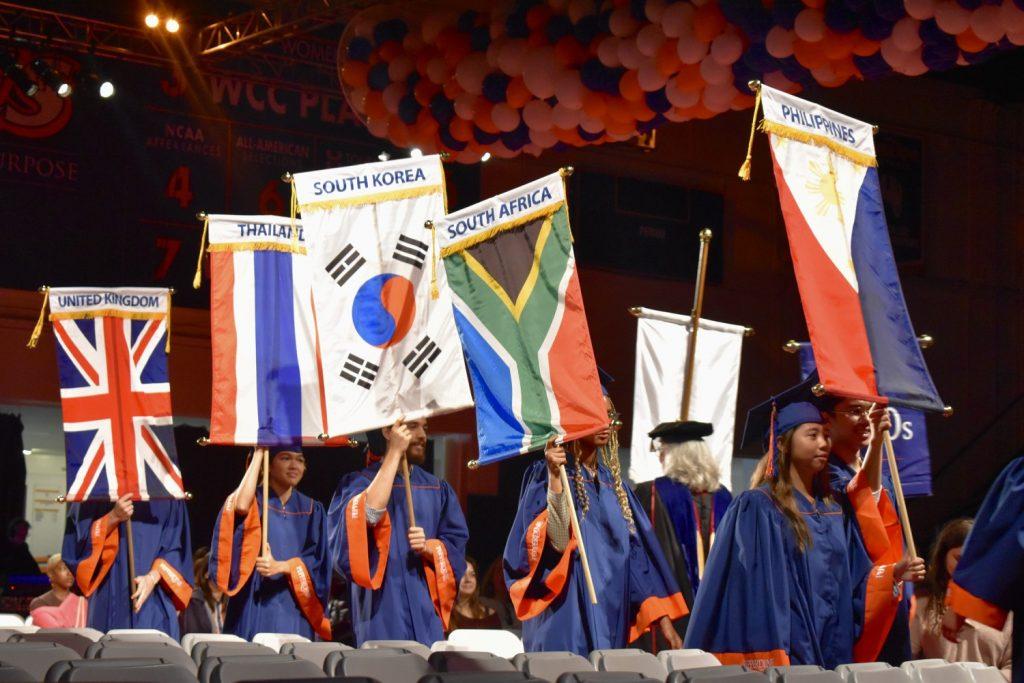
(840, 18)
(378, 78)
(758, 60)
(982, 56)
(449, 141)
(856, 6)
(648, 126)
(638, 8)
(970, 4)
(413, 79)
(442, 109)
(515, 25)
(796, 72)
(940, 57)
(561, 147)
(657, 101)
(873, 66)
(1019, 4)
(480, 38)
(600, 78)
(482, 137)
(586, 29)
(890, 10)
(408, 110)
(517, 139)
(874, 27)
(359, 49)
(392, 29)
(558, 27)
(931, 33)
(495, 87)
(589, 137)
(784, 12)
(467, 20)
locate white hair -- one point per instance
(691, 464)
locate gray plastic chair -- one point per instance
(73, 641)
(987, 674)
(889, 675)
(602, 677)
(313, 652)
(740, 677)
(846, 670)
(171, 653)
(35, 658)
(333, 659)
(479, 677)
(114, 670)
(458, 660)
(412, 646)
(393, 668)
(950, 673)
(14, 674)
(700, 673)
(201, 651)
(630, 661)
(239, 668)
(811, 677)
(550, 665)
(776, 672)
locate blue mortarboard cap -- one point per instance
(274, 450)
(606, 379)
(760, 416)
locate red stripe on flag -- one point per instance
(125, 404)
(319, 367)
(831, 307)
(140, 347)
(574, 371)
(225, 349)
(79, 494)
(72, 350)
(158, 449)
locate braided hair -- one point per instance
(610, 456)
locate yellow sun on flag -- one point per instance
(824, 185)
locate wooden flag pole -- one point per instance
(575, 522)
(901, 503)
(698, 306)
(264, 454)
(408, 491)
(131, 563)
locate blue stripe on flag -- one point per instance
(500, 431)
(278, 382)
(900, 369)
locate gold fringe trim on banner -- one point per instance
(392, 196)
(37, 331)
(294, 212)
(255, 246)
(106, 313)
(813, 139)
(745, 166)
(167, 343)
(198, 279)
(434, 291)
(491, 232)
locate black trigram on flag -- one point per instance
(420, 358)
(411, 251)
(347, 262)
(358, 371)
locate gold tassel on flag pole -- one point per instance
(745, 167)
(167, 343)
(293, 209)
(198, 279)
(434, 292)
(37, 331)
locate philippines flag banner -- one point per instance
(267, 376)
(115, 394)
(383, 308)
(520, 315)
(860, 329)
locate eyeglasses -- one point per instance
(858, 412)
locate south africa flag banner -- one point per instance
(519, 313)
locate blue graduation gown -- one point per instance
(765, 603)
(97, 555)
(397, 595)
(292, 602)
(681, 508)
(896, 648)
(634, 585)
(987, 583)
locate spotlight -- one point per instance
(485, 157)
(13, 70)
(172, 25)
(415, 152)
(106, 89)
(58, 83)
(152, 20)
(383, 156)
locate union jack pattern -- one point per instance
(116, 400)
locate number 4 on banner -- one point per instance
(179, 186)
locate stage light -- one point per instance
(152, 20)
(58, 83)
(486, 157)
(106, 89)
(13, 70)
(415, 152)
(384, 156)
(172, 25)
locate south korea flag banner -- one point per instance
(389, 345)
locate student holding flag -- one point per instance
(282, 588)
(803, 596)
(543, 570)
(402, 552)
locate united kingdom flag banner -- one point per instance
(384, 312)
(825, 170)
(115, 393)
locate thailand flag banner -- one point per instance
(384, 312)
(909, 438)
(115, 393)
(520, 315)
(857, 318)
(267, 387)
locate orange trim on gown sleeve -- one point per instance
(755, 661)
(878, 521)
(305, 595)
(179, 590)
(880, 604)
(654, 608)
(536, 538)
(252, 530)
(93, 569)
(440, 579)
(970, 606)
(357, 533)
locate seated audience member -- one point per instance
(15, 558)
(975, 642)
(58, 607)
(469, 610)
(205, 611)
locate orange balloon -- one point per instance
(354, 74)
(619, 112)
(537, 39)
(863, 46)
(389, 50)
(970, 42)
(814, 4)
(426, 123)
(483, 118)
(621, 127)
(640, 111)
(742, 101)
(838, 45)
(569, 52)
(398, 132)
(845, 69)
(708, 22)
(374, 106)
(593, 104)
(537, 17)
(810, 55)
(629, 86)
(565, 135)
(517, 94)
(667, 59)
(424, 91)
(460, 129)
(689, 78)
(452, 89)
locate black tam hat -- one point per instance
(681, 432)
